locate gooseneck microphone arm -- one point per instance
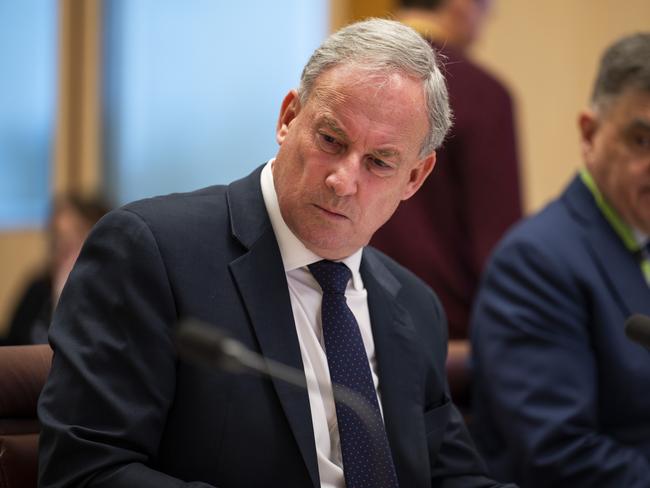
(206, 345)
(637, 328)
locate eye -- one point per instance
(379, 166)
(328, 143)
(379, 163)
(638, 139)
(642, 141)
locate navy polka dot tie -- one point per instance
(367, 461)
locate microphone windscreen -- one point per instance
(200, 342)
(637, 328)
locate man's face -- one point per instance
(67, 233)
(616, 149)
(349, 156)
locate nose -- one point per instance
(343, 179)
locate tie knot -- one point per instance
(331, 276)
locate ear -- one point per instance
(418, 174)
(588, 125)
(288, 112)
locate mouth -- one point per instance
(331, 213)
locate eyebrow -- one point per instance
(642, 124)
(388, 153)
(333, 126)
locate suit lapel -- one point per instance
(617, 264)
(261, 281)
(621, 269)
(394, 337)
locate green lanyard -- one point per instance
(621, 228)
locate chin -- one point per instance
(329, 249)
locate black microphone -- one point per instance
(637, 328)
(206, 345)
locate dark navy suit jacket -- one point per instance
(562, 396)
(121, 410)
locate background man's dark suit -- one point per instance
(560, 390)
(138, 410)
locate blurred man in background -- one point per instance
(561, 393)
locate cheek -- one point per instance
(632, 187)
(380, 207)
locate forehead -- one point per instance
(388, 99)
(630, 107)
(368, 84)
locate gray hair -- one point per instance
(382, 45)
(625, 64)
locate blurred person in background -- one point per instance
(561, 394)
(72, 218)
(473, 194)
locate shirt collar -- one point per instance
(294, 253)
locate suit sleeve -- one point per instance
(104, 406)
(538, 372)
(458, 464)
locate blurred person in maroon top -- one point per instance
(446, 231)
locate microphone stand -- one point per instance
(206, 345)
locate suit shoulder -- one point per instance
(551, 226)
(181, 210)
(193, 199)
(552, 240)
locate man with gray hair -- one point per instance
(561, 393)
(278, 260)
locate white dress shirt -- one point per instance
(306, 297)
